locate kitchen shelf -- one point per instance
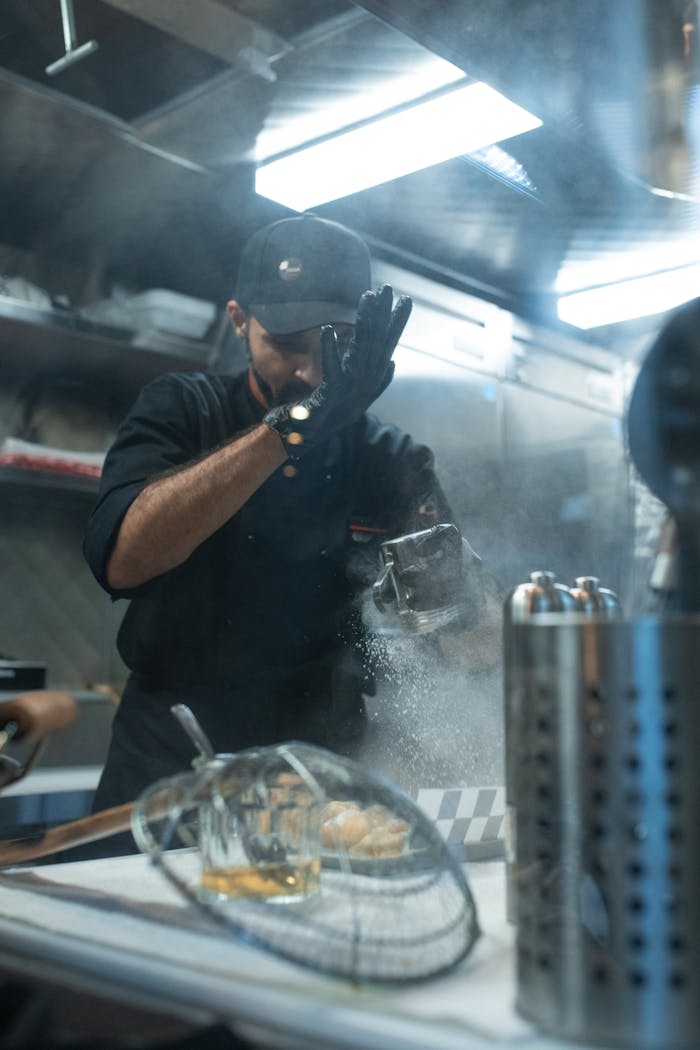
(22, 478)
(63, 346)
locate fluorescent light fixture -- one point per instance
(587, 268)
(502, 166)
(625, 300)
(349, 106)
(460, 120)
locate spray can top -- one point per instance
(541, 594)
(594, 599)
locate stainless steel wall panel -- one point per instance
(566, 489)
(530, 449)
(457, 413)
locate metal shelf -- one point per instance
(62, 346)
(21, 478)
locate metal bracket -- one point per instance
(73, 53)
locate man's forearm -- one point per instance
(171, 517)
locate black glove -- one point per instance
(351, 382)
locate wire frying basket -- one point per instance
(397, 909)
(606, 777)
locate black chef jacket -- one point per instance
(257, 631)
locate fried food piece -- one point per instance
(381, 843)
(373, 831)
(345, 829)
(377, 815)
(381, 817)
(332, 809)
(397, 826)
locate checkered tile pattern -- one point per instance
(471, 820)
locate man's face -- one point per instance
(288, 367)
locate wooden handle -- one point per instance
(87, 829)
(67, 836)
(39, 712)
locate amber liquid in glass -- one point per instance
(296, 878)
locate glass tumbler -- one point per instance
(262, 842)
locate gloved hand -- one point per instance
(351, 381)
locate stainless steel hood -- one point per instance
(135, 164)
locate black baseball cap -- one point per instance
(299, 273)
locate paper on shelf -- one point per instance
(30, 456)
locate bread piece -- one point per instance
(344, 830)
(332, 809)
(381, 843)
(397, 826)
(377, 815)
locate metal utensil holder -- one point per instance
(604, 762)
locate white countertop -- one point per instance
(59, 778)
(115, 925)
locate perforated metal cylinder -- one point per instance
(607, 778)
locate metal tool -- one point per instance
(199, 738)
(8, 731)
(74, 51)
(375, 923)
(423, 582)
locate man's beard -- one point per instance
(290, 394)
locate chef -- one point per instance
(241, 515)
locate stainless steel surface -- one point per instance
(206, 91)
(533, 463)
(218, 28)
(542, 594)
(423, 581)
(593, 599)
(608, 859)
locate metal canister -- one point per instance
(608, 920)
(595, 600)
(542, 594)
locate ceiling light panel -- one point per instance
(427, 73)
(459, 120)
(627, 300)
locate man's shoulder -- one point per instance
(203, 383)
(388, 439)
(203, 408)
(192, 392)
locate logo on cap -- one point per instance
(290, 269)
